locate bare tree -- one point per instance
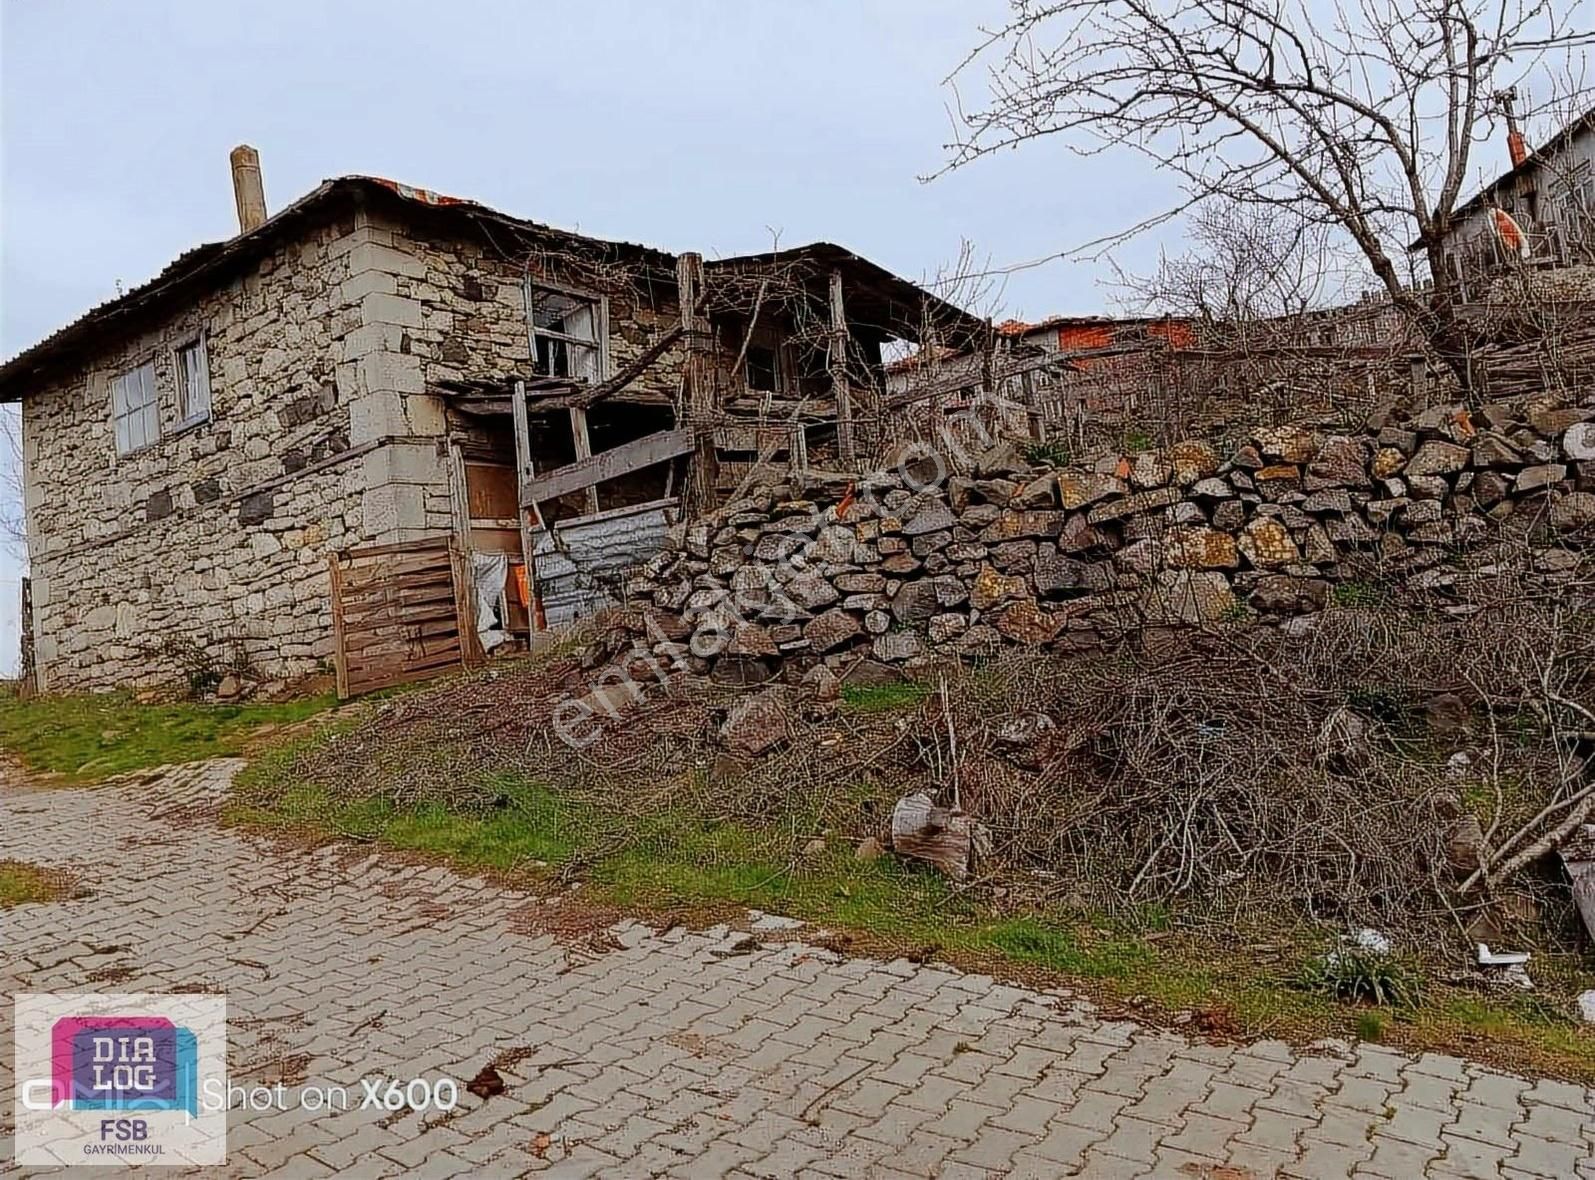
(1245, 266)
(13, 530)
(1361, 115)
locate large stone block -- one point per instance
(375, 256)
(382, 308)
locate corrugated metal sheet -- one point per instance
(582, 565)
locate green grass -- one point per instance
(1358, 594)
(883, 698)
(85, 738)
(1050, 454)
(21, 883)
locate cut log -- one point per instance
(938, 835)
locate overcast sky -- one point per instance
(688, 125)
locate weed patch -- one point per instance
(883, 698)
(22, 883)
(1363, 977)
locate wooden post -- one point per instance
(698, 385)
(1038, 428)
(525, 471)
(1418, 372)
(584, 450)
(340, 659)
(836, 362)
(471, 652)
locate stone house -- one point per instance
(1549, 195)
(246, 461)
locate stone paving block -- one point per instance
(1542, 1121)
(1099, 1165)
(1326, 1161)
(1555, 1093)
(1026, 1114)
(994, 1148)
(934, 1093)
(1226, 1100)
(1428, 1090)
(1358, 1092)
(1491, 1088)
(1471, 1159)
(1205, 1135)
(1093, 1108)
(1543, 1157)
(1276, 1132)
(1134, 1139)
(1493, 1124)
(999, 1089)
(1300, 1099)
(1398, 1159)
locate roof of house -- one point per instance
(881, 295)
(875, 295)
(1584, 122)
(205, 266)
(1025, 328)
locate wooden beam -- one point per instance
(525, 472)
(630, 373)
(584, 450)
(698, 385)
(632, 456)
(836, 362)
(340, 663)
(1038, 426)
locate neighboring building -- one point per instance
(334, 389)
(1060, 368)
(1097, 379)
(1548, 192)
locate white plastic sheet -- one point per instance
(489, 572)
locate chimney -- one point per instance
(1515, 147)
(248, 190)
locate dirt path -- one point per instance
(686, 1054)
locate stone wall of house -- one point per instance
(905, 567)
(471, 309)
(210, 546)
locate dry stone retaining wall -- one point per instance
(900, 568)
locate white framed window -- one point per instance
(135, 412)
(567, 333)
(192, 368)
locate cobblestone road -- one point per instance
(672, 1054)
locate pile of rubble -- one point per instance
(903, 567)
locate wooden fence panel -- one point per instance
(399, 613)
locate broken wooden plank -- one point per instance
(610, 464)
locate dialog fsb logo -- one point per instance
(115, 1079)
